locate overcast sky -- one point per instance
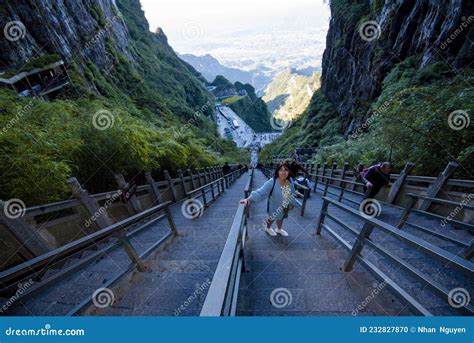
(184, 20)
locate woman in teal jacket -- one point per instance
(281, 197)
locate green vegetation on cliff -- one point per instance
(289, 93)
(155, 107)
(252, 109)
(411, 116)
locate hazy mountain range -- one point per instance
(287, 93)
(210, 67)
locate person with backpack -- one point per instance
(295, 167)
(226, 169)
(281, 197)
(375, 177)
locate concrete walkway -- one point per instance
(178, 275)
(300, 274)
(303, 271)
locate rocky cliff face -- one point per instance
(366, 39)
(71, 29)
(108, 47)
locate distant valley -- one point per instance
(210, 67)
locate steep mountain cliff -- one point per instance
(395, 76)
(366, 39)
(289, 93)
(131, 104)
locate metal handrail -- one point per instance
(414, 198)
(75, 246)
(363, 237)
(221, 299)
(407, 210)
(439, 201)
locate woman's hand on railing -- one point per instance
(245, 201)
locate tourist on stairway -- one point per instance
(281, 198)
(226, 168)
(375, 178)
(295, 167)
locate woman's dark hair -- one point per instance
(279, 166)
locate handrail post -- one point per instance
(343, 188)
(398, 184)
(326, 186)
(183, 182)
(131, 252)
(212, 191)
(90, 204)
(199, 177)
(316, 177)
(154, 188)
(204, 200)
(170, 184)
(357, 247)
(406, 212)
(303, 205)
(343, 173)
(437, 185)
(190, 173)
(27, 235)
(205, 176)
(218, 184)
(333, 168)
(171, 222)
(325, 166)
(211, 173)
(322, 215)
(358, 170)
(132, 203)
